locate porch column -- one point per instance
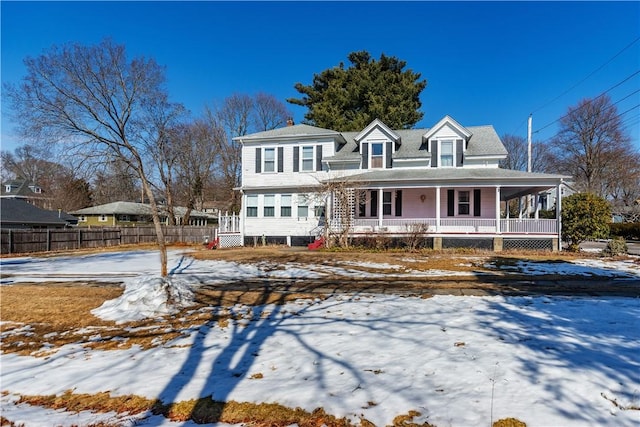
(559, 214)
(380, 204)
(437, 209)
(537, 199)
(498, 209)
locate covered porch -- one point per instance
(447, 210)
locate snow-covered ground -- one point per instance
(459, 361)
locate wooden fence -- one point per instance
(18, 241)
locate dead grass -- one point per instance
(206, 411)
(39, 319)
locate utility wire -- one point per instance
(599, 96)
(588, 76)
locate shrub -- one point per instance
(616, 246)
(585, 216)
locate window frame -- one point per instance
(312, 159)
(285, 204)
(272, 163)
(269, 211)
(462, 203)
(253, 213)
(441, 154)
(387, 204)
(103, 218)
(378, 157)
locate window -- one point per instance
(307, 158)
(7, 188)
(269, 208)
(377, 155)
(303, 211)
(269, 159)
(102, 218)
(318, 211)
(446, 153)
(386, 203)
(124, 218)
(82, 218)
(285, 205)
(252, 206)
(463, 203)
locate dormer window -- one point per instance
(7, 188)
(377, 155)
(446, 153)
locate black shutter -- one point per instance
(451, 202)
(459, 158)
(280, 159)
(434, 154)
(365, 155)
(398, 202)
(476, 202)
(389, 159)
(296, 159)
(374, 203)
(318, 157)
(258, 159)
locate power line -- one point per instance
(588, 76)
(597, 97)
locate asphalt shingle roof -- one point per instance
(14, 211)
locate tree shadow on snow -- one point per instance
(596, 338)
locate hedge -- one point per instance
(627, 230)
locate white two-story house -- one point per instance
(443, 182)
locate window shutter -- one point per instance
(280, 159)
(296, 159)
(389, 160)
(476, 202)
(258, 159)
(451, 202)
(434, 154)
(398, 202)
(365, 155)
(374, 203)
(318, 157)
(459, 157)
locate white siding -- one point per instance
(288, 177)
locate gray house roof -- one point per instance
(18, 213)
(295, 131)
(484, 141)
(133, 208)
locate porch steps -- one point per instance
(317, 244)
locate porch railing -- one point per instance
(452, 225)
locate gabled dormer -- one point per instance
(447, 142)
(377, 143)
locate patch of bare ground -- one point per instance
(38, 319)
(205, 410)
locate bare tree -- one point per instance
(239, 115)
(96, 98)
(590, 143)
(113, 181)
(269, 113)
(518, 158)
(196, 148)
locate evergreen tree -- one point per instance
(347, 99)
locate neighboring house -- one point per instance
(21, 189)
(444, 181)
(15, 213)
(131, 214)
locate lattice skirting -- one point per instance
(230, 240)
(528, 244)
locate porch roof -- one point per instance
(518, 182)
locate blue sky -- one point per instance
(485, 62)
